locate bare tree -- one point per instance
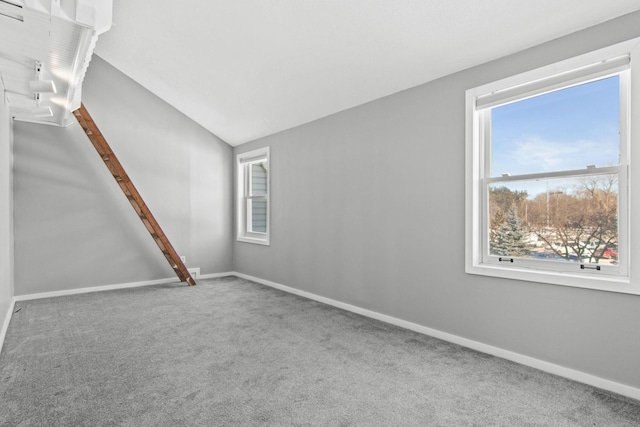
(578, 222)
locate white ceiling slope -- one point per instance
(245, 69)
(45, 49)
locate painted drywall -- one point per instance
(368, 209)
(6, 212)
(73, 226)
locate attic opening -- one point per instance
(11, 13)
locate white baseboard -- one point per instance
(113, 287)
(216, 275)
(522, 359)
(92, 289)
(5, 323)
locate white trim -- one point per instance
(255, 241)
(254, 155)
(535, 87)
(559, 69)
(5, 323)
(216, 275)
(522, 359)
(66, 292)
(557, 174)
(241, 177)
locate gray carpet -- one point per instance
(231, 352)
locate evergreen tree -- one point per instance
(501, 200)
(510, 238)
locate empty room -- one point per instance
(362, 213)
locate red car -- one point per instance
(610, 253)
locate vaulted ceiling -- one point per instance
(244, 69)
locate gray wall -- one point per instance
(6, 211)
(368, 209)
(73, 226)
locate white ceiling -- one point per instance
(245, 69)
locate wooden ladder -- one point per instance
(129, 190)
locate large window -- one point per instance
(549, 154)
(253, 196)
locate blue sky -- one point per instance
(563, 130)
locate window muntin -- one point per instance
(587, 175)
(253, 196)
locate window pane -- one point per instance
(258, 182)
(572, 219)
(257, 212)
(563, 130)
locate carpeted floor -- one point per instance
(230, 352)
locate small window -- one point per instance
(548, 185)
(253, 196)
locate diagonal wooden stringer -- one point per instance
(129, 190)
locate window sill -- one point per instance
(254, 240)
(587, 281)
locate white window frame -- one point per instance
(574, 71)
(244, 198)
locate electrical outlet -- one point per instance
(183, 258)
